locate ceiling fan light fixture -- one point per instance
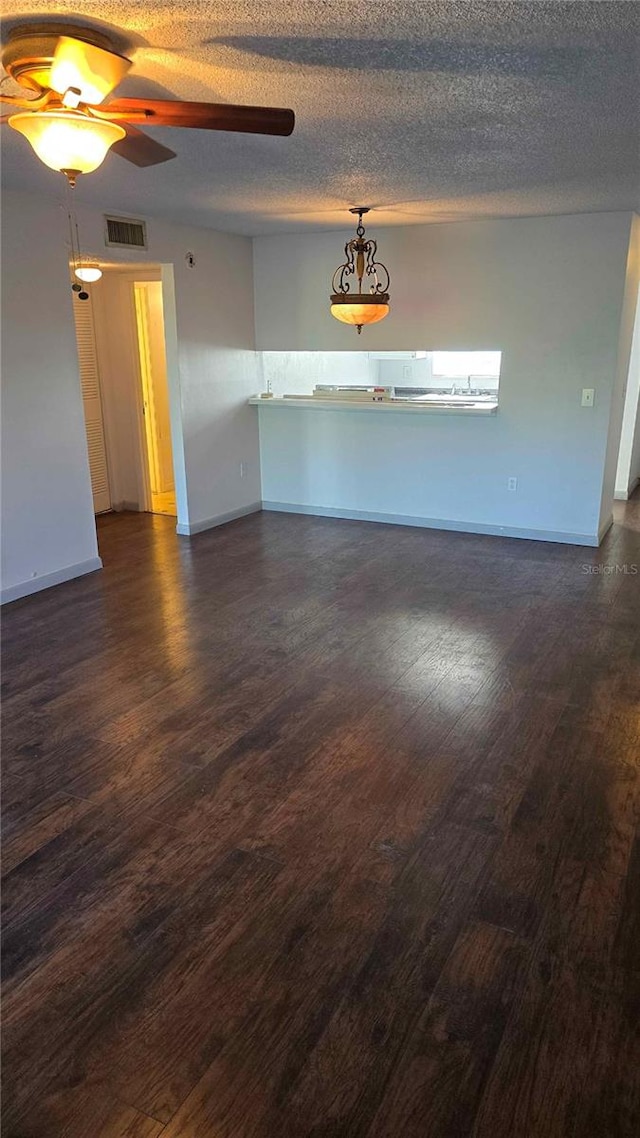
(72, 68)
(68, 141)
(90, 69)
(359, 308)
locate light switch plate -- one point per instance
(588, 396)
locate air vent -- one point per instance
(125, 232)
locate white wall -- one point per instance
(47, 509)
(298, 373)
(403, 373)
(217, 363)
(547, 292)
(628, 471)
(48, 520)
(421, 373)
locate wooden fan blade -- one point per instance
(202, 116)
(138, 148)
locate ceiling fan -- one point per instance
(69, 71)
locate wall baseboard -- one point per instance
(624, 495)
(220, 520)
(119, 507)
(564, 538)
(48, 580)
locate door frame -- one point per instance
(131, 278)
(164, 275)
(127, 274)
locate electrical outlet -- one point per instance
(512, 483)
(588, 396)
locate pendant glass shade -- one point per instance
(67, 140)
(366, 306)
(92, 71)
(355, 312)
(88, 272)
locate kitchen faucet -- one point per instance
(454, 387)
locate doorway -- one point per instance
(154, 398)
(628, 469)
(127, 348)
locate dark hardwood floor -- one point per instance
(324, 829)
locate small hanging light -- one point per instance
(88, 271)
(360, 307)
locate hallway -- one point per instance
(164, 503)
(324, 828)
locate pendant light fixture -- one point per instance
(361, 307)
(87, 270)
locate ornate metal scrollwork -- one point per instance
(360, 261)
(358, 307)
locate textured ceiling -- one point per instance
(427, 111)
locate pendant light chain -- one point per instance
(74, 239)
(70, 217)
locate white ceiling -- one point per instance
(427, 111)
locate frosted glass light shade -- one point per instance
(89, 273)
(93, 71)
(67, 140)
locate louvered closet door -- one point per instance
(89, 378)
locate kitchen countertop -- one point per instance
(405, 406)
